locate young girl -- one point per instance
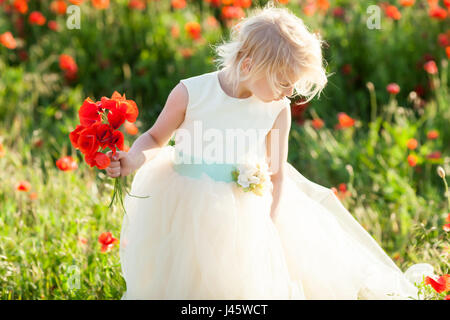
(200, 234)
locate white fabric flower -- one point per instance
(416, 272)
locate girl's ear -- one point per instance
(246, 65)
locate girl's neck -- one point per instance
(242, 92)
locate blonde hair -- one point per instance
(278, 44)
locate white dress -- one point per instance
(200, 236)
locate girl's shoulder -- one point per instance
(199, 87)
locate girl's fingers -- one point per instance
(113, 172)
(114, 164)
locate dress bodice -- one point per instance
(219, 128)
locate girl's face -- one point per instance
(262, 90)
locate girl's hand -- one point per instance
(121, 164)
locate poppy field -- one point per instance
(378, 135)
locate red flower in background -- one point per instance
(193, 29)
(437, 12)
(430, 67)
(66, 163)
(434, 155)
(69, 66)
(36, 18)
(23, 186)
(7, 40)
(178, 4)
(58, 7)
(412, 143)
(131, 128)
(107, 241)
(412, 160)
(432, 134)
(243, 3)
(52, 25)
(440, 284)
(232, 12)
(137, 4)
(392, 12)
(407, 3)
(100, 4)
(21, 6)
(345, 121)
(393, 88)
(2, 150)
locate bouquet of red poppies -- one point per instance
(98, 130)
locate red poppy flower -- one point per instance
(58, 7)
(100, 4)
(446, 227)
(440, 284)
(407, 3)
(345, 121)
(438, 13)
(66, 163)
(392, 12)
(243, 3)
(430, 67)
(33, 195)
(193, 29)
(117, 115)
(117, 101)
(67, 63)
(137, 4)
(432, 134)
(434, 155)
(117, 140)
(76, 2)
(8, 40)
(23, 186)
(317, 123)
(107, 241)
(21, 6)
(411, 144)
(104, 134)
(393, 88)
(89, 112)
(75, 134)
(232, 12)
(2, 150)
(412, 160)
(36, 18)
(53, 25)
(131, 128)
(98, 159)
(178, 4)
(87, 141)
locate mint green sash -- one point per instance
(217, 171)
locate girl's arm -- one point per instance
(148, 145)
(277, 151)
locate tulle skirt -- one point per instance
(198, 238)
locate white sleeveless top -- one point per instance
(219, 128)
